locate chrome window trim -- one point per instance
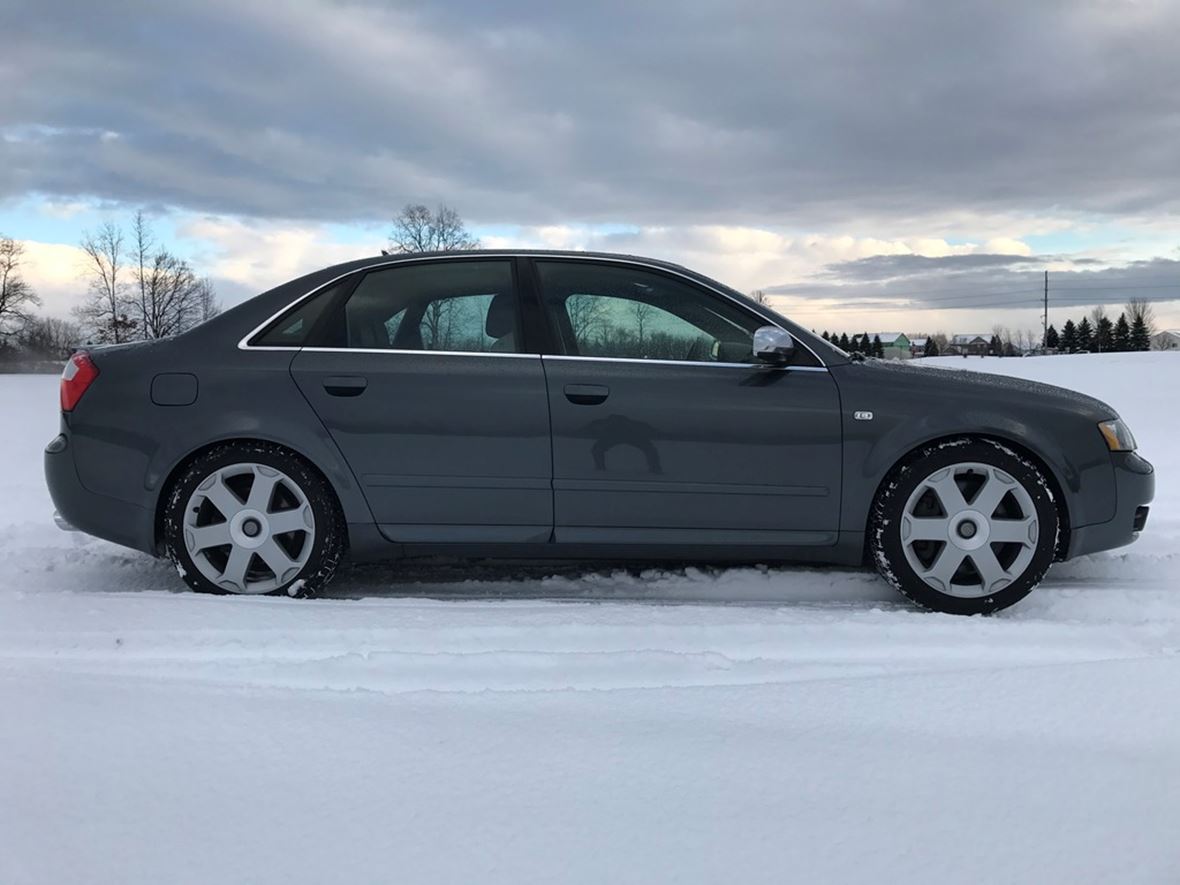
(705, 363)
(410, 352)
(533, 256)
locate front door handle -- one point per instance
(345, 385)
(586, 394)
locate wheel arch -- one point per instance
(188, 459)
(1060, 500)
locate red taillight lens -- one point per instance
(79, 373)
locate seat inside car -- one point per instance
(501, 323)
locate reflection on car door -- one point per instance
(419, 380)
(664, 428)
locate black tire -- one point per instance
(885, 541)
(327, 545)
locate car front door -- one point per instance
(418, 375)
(665, 427)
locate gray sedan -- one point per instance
(573, 405)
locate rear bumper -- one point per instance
(85, 511)
(1134, 488)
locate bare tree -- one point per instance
(417, 229)
(169, 295)
(438, 322)
(207, 305)
(144, 291)
(1140, 309)
(16, 296)
(105, 311)
(759, 296)
(642, 311)
(50, 337)
(587, 315)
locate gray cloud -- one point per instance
(983, 282)
(709, 112)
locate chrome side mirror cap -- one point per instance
(774, 345)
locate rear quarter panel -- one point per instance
(126, 446)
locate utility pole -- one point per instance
(1045, 322)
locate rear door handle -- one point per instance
(345, 385)
(586, 394)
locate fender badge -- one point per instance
(863, 416)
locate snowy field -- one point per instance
(752, 725)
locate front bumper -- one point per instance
(83, 510)
(1134, 490)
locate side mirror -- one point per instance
(774, 345)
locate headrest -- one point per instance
(501, 319)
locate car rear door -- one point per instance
(418, 376)
(665, 427)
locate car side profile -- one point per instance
(573, 405)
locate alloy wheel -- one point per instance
(969, 530)
(249, 528)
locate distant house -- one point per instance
(1166, 340)
(918, 346)
(969, 345)
(895, 344)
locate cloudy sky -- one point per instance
(881, 165)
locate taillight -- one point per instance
(78, 375)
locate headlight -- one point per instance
(1117, 435)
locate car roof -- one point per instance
(386, 258)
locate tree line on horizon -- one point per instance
(1095, 333)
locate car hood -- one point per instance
(961, 382)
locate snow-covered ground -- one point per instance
(750, 725)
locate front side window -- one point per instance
(623, 312)
(463, 305)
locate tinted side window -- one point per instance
(460, 305)
(623, 312)
(293, 328)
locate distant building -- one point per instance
(1166, 340)
(896, 345)
(918, 346)
(970, 345)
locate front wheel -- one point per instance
(964, 527)
(253, 518)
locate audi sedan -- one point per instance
(573, 406)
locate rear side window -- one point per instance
(460, 306)
(293, 328)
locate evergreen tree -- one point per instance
(1140, 334)
(1122, 334)
(1104, 335)
(844, 343)
(1052, 339)
(825, 335)
(1085, 336)
(878, 347)
(1069, 337)
(995, 347)
(931, 347)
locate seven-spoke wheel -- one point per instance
(966, 527)
(252, 518)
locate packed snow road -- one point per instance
(459, 724)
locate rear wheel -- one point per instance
(253, 518)
(965, 527)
